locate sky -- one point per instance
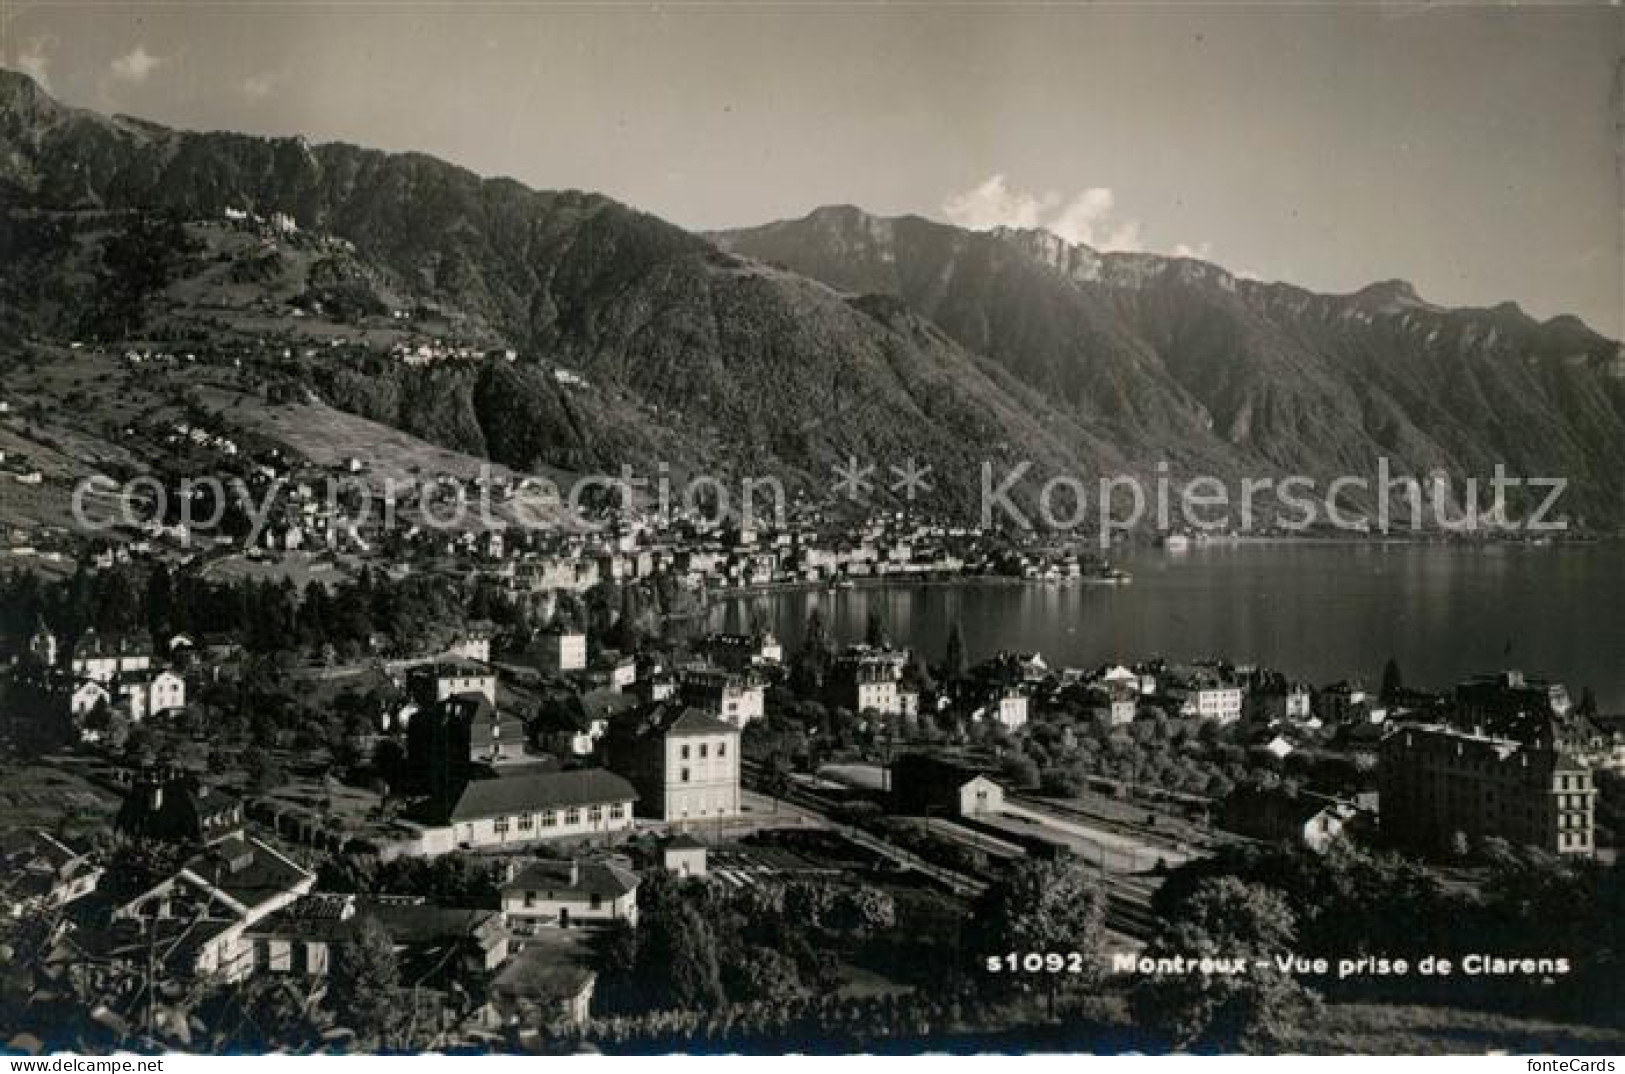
(1475, 151)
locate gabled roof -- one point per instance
(547, 790)
(247, 871)
(691, 723)
(603, 878)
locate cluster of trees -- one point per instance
(1352, 902)
(698, 946)
(265, 616)
(453, 879)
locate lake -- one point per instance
(1316, 611)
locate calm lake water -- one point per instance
(1316, 611)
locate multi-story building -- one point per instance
(1437, 783)
(741, 652)
(1205, 695)
(1009, 708)
(148, 693)
(867, 679)
(557, 651)
(448, 740)
(735, 698)
(684, 762)
(104, 657)
(437, 681)
(565, 893)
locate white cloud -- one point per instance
(994, 204)
(1202, 251)
(35, 60)
(1081, 219)
(1088, 217)
(136, 65)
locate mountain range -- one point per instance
(790, 348)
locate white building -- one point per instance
(559, 651)
(564, 893)
(520, 809)
(1208, 698)
(152, 692)
(104, 658)
(432, 683)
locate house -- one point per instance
(434, 945)
(1206, 695)
(866, 679)
(429, 683)
(1344, 703)
(565, 893)
(178, 808)
(615, 671)
(42, 646)
(104, 657)
(87, 696)
(1010, 709)
(1115, 701)
(733, 697)
(684, 762)
(683, 855)
(473, 643)
(1308, 820)
(42, 873)
(550, 981)
(574, 725)
(1272, 698)
(584, 804)
(151, 692)
(923, 784)
(199, 916)
(557, 651)
(430, 939)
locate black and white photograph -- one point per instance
(542, 529)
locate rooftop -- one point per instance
(547, 790)
(590, 878)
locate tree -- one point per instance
(677, 958)
(763, 975)
(874, 630)
(366, 977)
(160, 603)
(262, 769)
(814, 658)
(954, 664)
(1393, 682)
(1255, 1009)
(1042, 907)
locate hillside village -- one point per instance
(363, 687)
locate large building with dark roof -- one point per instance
(684, 762)
(1437, 783)
(583, 804)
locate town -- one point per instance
(536, 806)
